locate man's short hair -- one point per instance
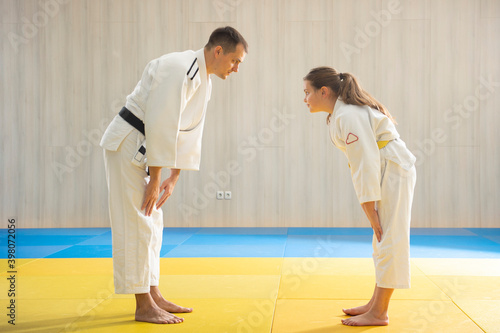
(228, 38)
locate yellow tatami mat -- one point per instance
(254, 295)
(323, 316)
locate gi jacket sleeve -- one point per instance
(163, 113)
(362, 151)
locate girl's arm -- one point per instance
(372, 214)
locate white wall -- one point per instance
(66, 67)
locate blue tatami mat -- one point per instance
(257, 242)
(344, 246)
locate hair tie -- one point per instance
(341, 76)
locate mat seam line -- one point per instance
(278, 291)
(465, 313)
(451, 299)
(81, 316)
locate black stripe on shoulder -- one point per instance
(191, 66)
(197, 69)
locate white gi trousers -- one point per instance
(392, 255)
(136, 238)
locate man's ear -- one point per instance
(218, 51)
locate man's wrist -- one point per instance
(174, 174)
(155, 174)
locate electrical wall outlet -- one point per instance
(227, 195)
(220, 195)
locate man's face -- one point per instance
(226, 63)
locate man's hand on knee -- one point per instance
(152, 191)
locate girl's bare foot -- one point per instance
(367, 319)
(358, 310)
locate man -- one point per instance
(166, 109)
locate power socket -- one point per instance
(227, 195)
(220, 195)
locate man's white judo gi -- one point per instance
(171, 99)
(386, 176)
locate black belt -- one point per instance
(135, 122)
(132, 120)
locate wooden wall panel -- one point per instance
(67, 66)
(489, 153)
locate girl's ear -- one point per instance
(324, 91)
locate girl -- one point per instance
(383, 174)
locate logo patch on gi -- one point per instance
(351, 138)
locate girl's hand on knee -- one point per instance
(372, 214)
(377, 229)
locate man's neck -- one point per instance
(208, 61)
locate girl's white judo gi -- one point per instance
(386, 176)
(171, 99)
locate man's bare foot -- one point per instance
(358, 310)
(167, 305)
(156, 315)
(366, 319)
(171, 307)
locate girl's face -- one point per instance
(313, 97)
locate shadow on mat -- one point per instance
(71, 324)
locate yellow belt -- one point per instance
(382, 144)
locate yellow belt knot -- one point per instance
(382, 144)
